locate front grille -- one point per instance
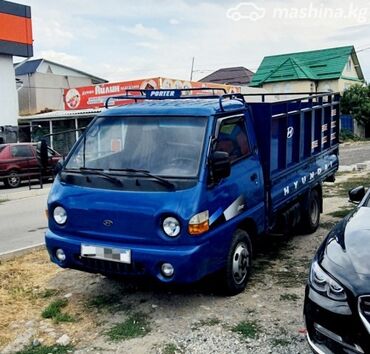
(108, 267)
(364, 310)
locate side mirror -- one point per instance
(42, 153)
(220, 165)
(356, 194)
(58, 167)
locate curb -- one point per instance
(6, 256)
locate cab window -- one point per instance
(233, 139)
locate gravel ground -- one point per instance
(265, 318)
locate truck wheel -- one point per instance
(13, 180)
(311, 215)
(238, 263)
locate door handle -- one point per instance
(254, 177)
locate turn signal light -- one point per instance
(199, 223)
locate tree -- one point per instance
(356, 102)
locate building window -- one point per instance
(349, 65)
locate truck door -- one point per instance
(243, 189)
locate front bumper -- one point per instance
(334, 332)
(191, 263)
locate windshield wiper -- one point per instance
(147, 173)
(100, 172)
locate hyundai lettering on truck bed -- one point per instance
(176, 187)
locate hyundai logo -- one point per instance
(108, 223)
(290, 132)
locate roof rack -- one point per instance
(162, 94)
(303, 95)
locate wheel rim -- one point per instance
(240, 263)
(13, 180)
(314, 212)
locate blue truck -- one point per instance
(177, 186)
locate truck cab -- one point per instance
(170, 187)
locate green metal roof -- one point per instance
(321, 64)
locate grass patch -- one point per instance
(211, 321)
(280, 342)
(104, 300)
(3, 200)
(289, 297)
(341, 188)
(171, 348)
(248, 329)
(54, 311)
(43, 349)
(111, 302)
(341, 213)
(137, 325)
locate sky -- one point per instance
(121, 40)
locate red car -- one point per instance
(19, 161)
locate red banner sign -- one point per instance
(89, 97)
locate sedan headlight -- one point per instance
(60, 215)
(171, 226)
(325, 284)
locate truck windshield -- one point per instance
(162, 146)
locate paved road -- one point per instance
(22, 222)
(350, 154)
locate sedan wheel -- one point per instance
(13, 180)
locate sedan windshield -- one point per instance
(162, 146)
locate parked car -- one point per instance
(19, 161)
(337, 301)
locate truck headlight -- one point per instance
(171, 226)
(60, 215)
(325, 284)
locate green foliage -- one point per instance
(171, 348)
(54, 311)
(346, 134)
(356, 101)
(43, 349)
(247, 329)
(137, 325)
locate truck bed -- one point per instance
(298, 143)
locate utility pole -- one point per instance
(192, 69)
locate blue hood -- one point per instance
(136, 216)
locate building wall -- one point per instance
(42, 91)
(289, 86)
(8, 92)
(310, 86)
(328, 85)
(26, 95)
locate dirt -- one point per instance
(182, 319)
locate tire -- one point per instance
(311, 214)
(13, 180)
(238, 264)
